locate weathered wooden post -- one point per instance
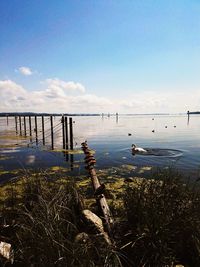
(30, 129)
(25, 125)
(188, 120)
(98, 188)
(52, 144)
(36, 131)
(63, 131)
(66, 134)
(71, 133)
(16, 125)
(20, 125)
(117, 117)
(43, 136)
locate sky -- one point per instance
(94, 56)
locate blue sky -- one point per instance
(100, 56)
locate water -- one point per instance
(171, 140)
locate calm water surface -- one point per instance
(175, 141)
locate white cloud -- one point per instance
(55, 98)
(57, 84)
(25, 71)
(62, 96)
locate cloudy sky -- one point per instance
(88, 56)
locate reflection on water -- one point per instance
(171, 140)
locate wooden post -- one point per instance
(30, 129)
(16, 125)
(66, 134)
(63, 130)
(71, 133)
(52, 144)
(43, 136)
(20, 125)
(117, 117)
(36, 131)
(7, 119)
(96, 186)
(25, 125)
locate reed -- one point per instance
(47, 228)
(163, 226)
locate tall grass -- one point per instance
(160, 226)
(163, 221)
(47, 224)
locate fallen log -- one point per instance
(100, 198)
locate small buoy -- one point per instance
(129, 134)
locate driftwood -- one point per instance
(98, 188)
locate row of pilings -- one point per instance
(29, 126)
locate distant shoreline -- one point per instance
(4, 114)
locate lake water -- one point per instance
(174, 141)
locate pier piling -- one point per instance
(63, 131)
(52, 141)
(71, 133)
(30, 128)
(16, 129)
(43, 134)
(66, 133)
(25, 125)
(36, 130)
(20, 125)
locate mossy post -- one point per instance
(71, 133)
(43, 136)
(25, 125)
(16, 125)
(20, 125)
(36, 131)
(52, 143)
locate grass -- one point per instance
(46, 226)
(163, 221)
(157, 222)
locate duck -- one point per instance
(136, 149)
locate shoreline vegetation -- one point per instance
(51, 220)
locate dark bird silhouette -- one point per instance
(153, 131)
(166, 126)
(129, 134)
(100, 190)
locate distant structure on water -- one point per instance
(193, 112)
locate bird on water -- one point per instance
(136, 149)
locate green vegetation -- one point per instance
(157, 221)
(163, 221)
